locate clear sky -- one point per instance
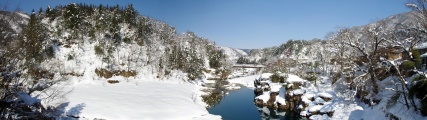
(248, 23)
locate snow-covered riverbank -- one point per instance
(146, 100)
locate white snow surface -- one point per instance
(264, 97)
(280, 100)
(275, 88)
(315, 108)
(421, 45)
(325, 95)
(266, 75)
(320, 117)
(148, 100)
(304, 113)
(319, 100)
(247, 81)
(294, 78)
(298, 92)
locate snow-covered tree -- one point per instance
(365, 44)
(24, 80)
(33, 40)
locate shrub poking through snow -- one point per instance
(39, 73)
(108, 74)
(275, 78)
(311, 77)
(124, 73)
(103, 73)
(408, 65)
(113, 81)
(419, 90)
(98, 50)
(393, 100)
(416, 56)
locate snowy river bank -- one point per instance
(146, 100)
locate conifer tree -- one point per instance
(33, 37)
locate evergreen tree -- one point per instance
(130, 15)
(73, 18)
(33, 37)
(417, 58)
(215, 57)
(194, 65)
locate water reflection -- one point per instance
(212, 99)
(274, 114)
(239, 104)
(216, 93)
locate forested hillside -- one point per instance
(371, 63)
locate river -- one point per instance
(239, 105)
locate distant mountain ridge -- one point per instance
(310, 48)
(232, 53)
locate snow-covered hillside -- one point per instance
(100, 53)
(107, 62)
(232, 53)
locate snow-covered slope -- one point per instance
(148, 100)
(232, 53)
(146, 53)
(10, 25)
(13, 20)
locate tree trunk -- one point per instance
(373, 80)
(404, 85)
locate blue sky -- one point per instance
(249, 23)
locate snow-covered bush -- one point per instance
(311, 77)
(419, 90)
(98, 50)
(277, 77)
(408, 65)
(417, 58)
